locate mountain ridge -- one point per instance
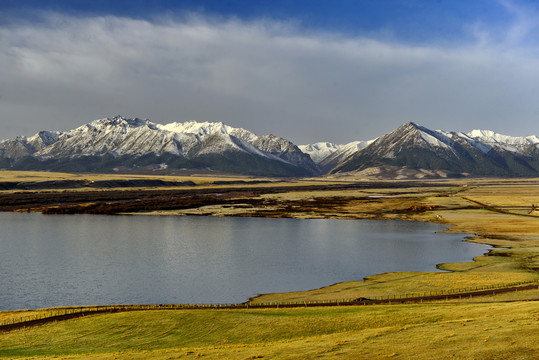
(121, 144)
(416, 147)
(105, 144)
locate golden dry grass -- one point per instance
(406, 284)
(201, 181)
(420, 331)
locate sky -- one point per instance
(306, 70)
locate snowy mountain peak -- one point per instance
(409, 126)
(198, 128)
(480, 152)
(319, 146)
(46, 137)
(120, 121)
(270, 146)
(118, 142)
(320, 150)
(328, 155)
(481, 133)
(492, 137)
(136, 143)
(410, 134)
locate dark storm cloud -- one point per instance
(264, 76)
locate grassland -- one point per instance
(21, 176)
(496, 212)
(201, 181)
(427, 331)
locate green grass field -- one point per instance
(426, 331)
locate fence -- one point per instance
(72, 312)
(384, 298)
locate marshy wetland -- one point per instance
(497, 212)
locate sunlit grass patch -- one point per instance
(402, 284)
(420, 331)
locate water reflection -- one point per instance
(84, 259)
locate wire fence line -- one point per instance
(64, 313)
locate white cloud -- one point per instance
(267, 77)
(525, 21)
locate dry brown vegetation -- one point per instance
(499, 212)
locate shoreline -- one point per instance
(438, 230)
(512, 238)
(466, 238)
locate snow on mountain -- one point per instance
(320, 150)
(269, 146)
(509, 143)
(351, 148)
(196, 143)
(198, 128)
(23, 146)
(43, 139)
(344, 152)
(492, 137)
(408, 135)
(324, 153)
(107, 144)
(16, 148)
(117, 136)
(480, 153)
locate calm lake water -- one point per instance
(86, 259)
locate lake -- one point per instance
(63, 260)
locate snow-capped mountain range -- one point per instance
(129, 144)
(328, 155)
(477, 153)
